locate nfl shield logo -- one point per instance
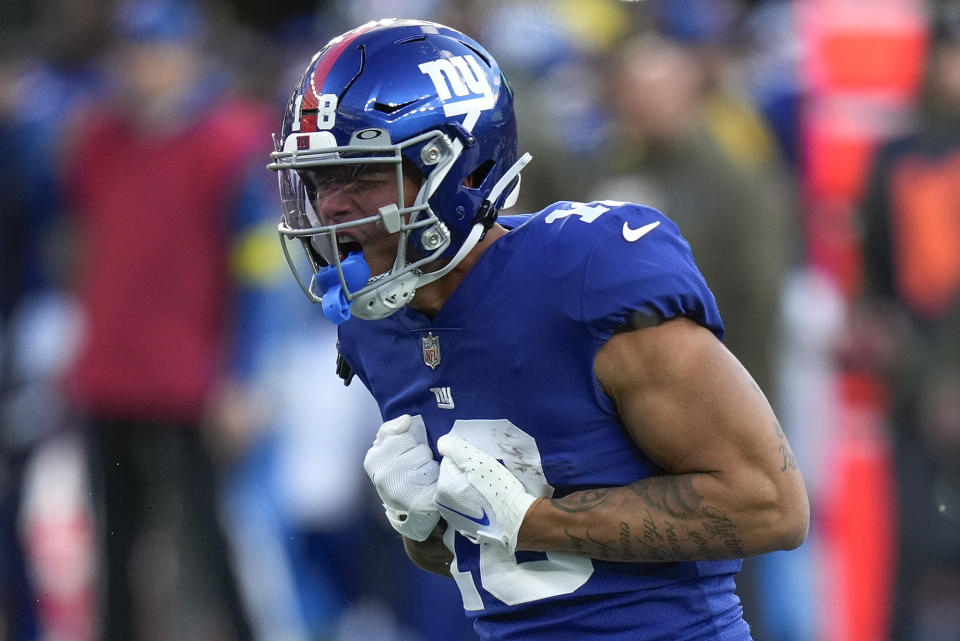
(431, 350)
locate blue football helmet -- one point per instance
(426, 101)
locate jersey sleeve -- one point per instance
(639, 262)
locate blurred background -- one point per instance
(179, 460)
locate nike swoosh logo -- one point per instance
(483, 520)
(633, 235)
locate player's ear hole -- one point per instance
(478, 175)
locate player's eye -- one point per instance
(351, 178)
(366, 183)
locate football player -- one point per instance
(566, 435)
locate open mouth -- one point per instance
(346, 246)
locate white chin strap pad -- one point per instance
(508, 176)
(512, 197)
(380, 302)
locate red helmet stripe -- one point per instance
(311, 98)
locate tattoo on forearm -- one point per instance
(651, 539)
(671, 523)
(576, 543)
(719, 526)
(601, 549)
(712, 536)
(675, 495)
(673, 540)
(699, 541)
(625, 548)
(582, 501)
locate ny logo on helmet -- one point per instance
(461, 84)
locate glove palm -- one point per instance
(404, 472)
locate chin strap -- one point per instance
(508, 177)
(476, 232)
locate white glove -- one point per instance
(478, 495)
(402, 468)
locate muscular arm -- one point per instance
(431, 555)
(731, 487)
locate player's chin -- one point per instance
(380, 253)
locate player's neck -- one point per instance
(429, 299)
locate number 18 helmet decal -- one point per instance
(425, 101)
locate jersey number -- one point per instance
(500, 573)
(586, 212)
(326, 111)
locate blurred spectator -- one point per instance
(164, 181)
(669, 150)
(45, 77)
(928, 482)
(906, 331)
(17, 615)
(909, 214)
(316, 561)
(736, 216)
(772, 51)
(711, 30)
(545, 47)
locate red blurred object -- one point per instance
(858, 519)
(863, 69)
(57, 530)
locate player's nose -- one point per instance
(333, 206)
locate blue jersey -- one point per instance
(507, 364)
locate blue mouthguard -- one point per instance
(335, 305)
